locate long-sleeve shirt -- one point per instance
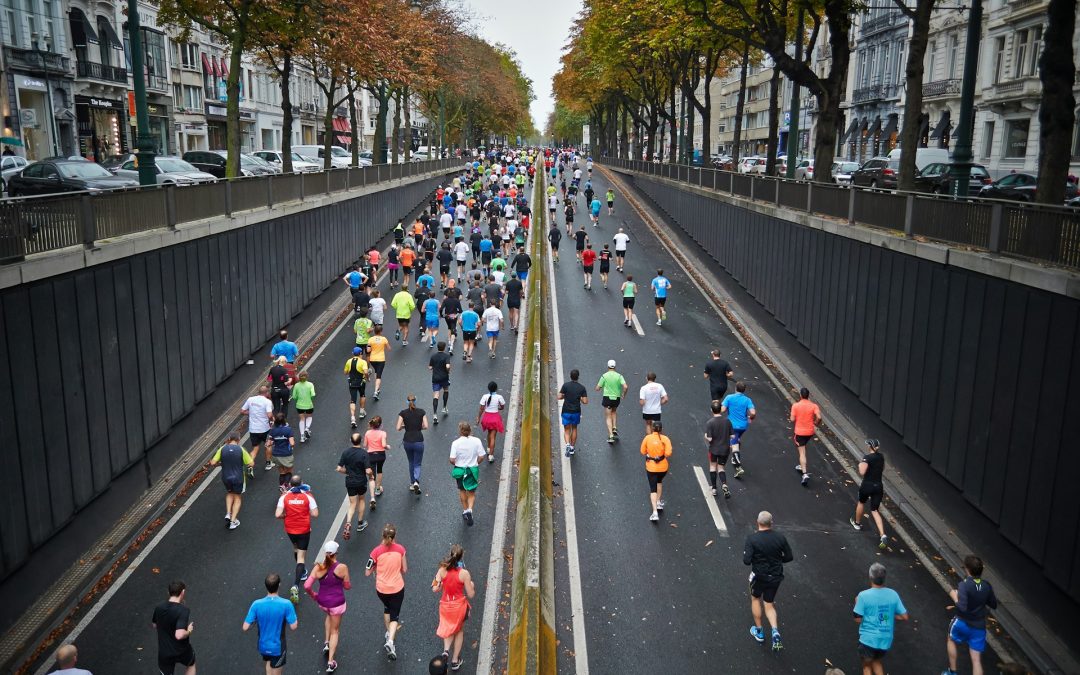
(766, 552)
(973, 597)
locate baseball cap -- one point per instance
(331, 548)
(357, 351)
(873, 443)
(611, 363)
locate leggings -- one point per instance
(415, 453)
(393, 273)
(280, 401)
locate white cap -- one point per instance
(331, 548)
(611, 363)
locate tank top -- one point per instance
(452, 588)
(331, 589)
(630, 290)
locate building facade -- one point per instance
(876, 82)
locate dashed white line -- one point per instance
(637, 326)
(710, 500)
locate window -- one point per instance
(999, 59)
(189, 56)
(104, 44)
(901, 65)
(988, 139)
(952, 53)
(12, 27)
(192, 97)
(1027, 52)
(178, 94)
(154, 53)
(1016, 139)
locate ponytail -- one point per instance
(412, 402)
(454, 559)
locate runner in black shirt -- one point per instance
(718, 433)
(554, 236)
(717, 371)
(354, 464)
(439, 365)
(413, 421)
(174, 627)
(573, 395)
(605, 263)
(514, 289)
(474, 240)
(871, 468)
(581, 237)
(766, 552)
(451, 310)
(446, 257)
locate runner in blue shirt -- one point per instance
(271, 614)
(459, 233)
(486, 246)
(876, 611)
(660, 285)
(447, 200)
(740, 412)
(284, 347)
(425, 280)
(431, 318)
(470, 320)
(355, 278)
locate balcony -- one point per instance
(28, 59)
(157, 83)
(881, 23)
(1023, 93)
(941, 88)
(875, 92)
(97, 71)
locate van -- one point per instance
(924, 156)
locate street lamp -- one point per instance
(146, 149)
(53, 130)
(962, 154)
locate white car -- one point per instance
(745, 163)
(299, 163)
(804, 170)
(842, 170)
(758, 166)
(339, 156)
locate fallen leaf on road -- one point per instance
(155, 570)
(708, 543)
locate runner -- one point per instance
(389, 565)
(282, 442)
(972, 598)
(766, 551)
(660, 286)
(408, 258)
(568, 216)
(470, 321)
(553, 204)
(333, 579)
(234, 462)
(805, 414)
(486, 248)
(172, 619)
(377, 306)
(717, 371)
(413, 421)
(378, 345)
(629, 293)
(271, 614)
(718, 435)
(430, 309)
(355, 280)
(651, 397)
(514, 290)
(439, 365)
(303, 392)
(260, 412)
(462, 249)
(465, 454)
(67, 656)
(296, 508)
(871, 468)
(281, 381)
(588, 258)
(740, 410)
(363, 327)
(605, 263)
(451, 311)
(656, 447)
(554, 237)
(445, 257)
(493, 322)
(457, 588)
(354, 464)
(614, 388)
(610, 202)
(403, 305)
(573, 395)
(376, 445)
(621, 239)
(876, 611)
(594, 211)
(522, 263)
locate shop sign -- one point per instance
(31, 83)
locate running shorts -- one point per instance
(275, 660)
(961, 633)
(717, 393)
(871, 492)
(392, 603)
(802, 440)
(612, 403)
(357, 392)
(376, 461)
(605, 266)
(766, 590)
(378, 366)
(431, 323)
(720, 459)
(403, 322)
(468, 335)
(620, 254)
(571, 419)
(650, 417)
(235, 487)
(354, 488)
(300, 541)
(305, 411)
(439, 386)
(513, 304)
(493, 334)
(871, 653)
(736, 435)
(628, 303)
(167, 664)
(285, 461)
(660, 301)
(587, 269)
(655, 479)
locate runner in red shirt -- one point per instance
(588, 258)
(805, 415)
(297, 507)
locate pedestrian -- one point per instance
(741, 412)
(660, 287)
(66, 658)
(613, 387)
(389, 565)
(296, 508)
(375, 442)
(876, 611)
(766, 551)
(656, 447)
(573, 395)
(588, 260)
(973, 597)
(354, 464)
(465, 454)
(282, 445)
(651, 397)
(489, 418)
(333, 580)
(234, 461)
(493, 322)
(172, 620)
(404, 305)
(260, 412)
(271, 614)
(871, 468)
(281, 382)
(439, 365)
(629, 296)
(621, 239)
(303, 392)
(470, 322)
(717, 372)
(718, 437)
(413, 421)
(806, 415)
(457, 588)
(356, 369)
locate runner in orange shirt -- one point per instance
(408, 257)
(805, 414)
(657, 448)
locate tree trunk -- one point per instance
(909, 132)
(740, 107)
(354, 136)
(774, 123)
(285, 78)
(232, 107)
(407, 118)
(831, 90)
(654, 122)
(688, 136)
(706, 123)
(1058, 108)
(394, 148)
(624, 147)
(673, 125)
(328, 125)
(379, 152)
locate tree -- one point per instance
(1057, 111)
(913, 73)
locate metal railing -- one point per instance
(941, 88)
(1034, 231)
(31, 225)
(100, 71)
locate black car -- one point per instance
(60, 174)
(213, 163)
(937, 179)
(1020, 187)
(878, 172)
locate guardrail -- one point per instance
(1034, 231)
(31, 225)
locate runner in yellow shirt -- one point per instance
(378, 345)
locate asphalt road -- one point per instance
(672, 595)
(224, 570)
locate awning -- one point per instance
(11, 140)
(875, 127)
(224, 67)
(342, 124)
(942, 126)
(924, 124)
(82, 31)
(345, 139)
(108, 33)
(850, 130)
(208, 68)
(890, 126)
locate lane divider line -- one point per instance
(637, 326)
(710, 500)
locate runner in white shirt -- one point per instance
(465, 454)
(577, 174)
(462, 211)
(446, 220)
(651, 397)
(377, 306)
(553, 204)
(260, 412)
(489, 417)
(462, 250)
(493, 321)
(621, 239)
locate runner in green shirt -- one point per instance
(363, 327)
(629, 293)
(404, 304)
(613, 387)
(303, 392)
(610, 196)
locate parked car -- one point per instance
(419, 156)
(937, 179)
(170, 171)
(339, 156)
(758, 166)
(746, 162)
(300, 164)
(1020, 187)
(213, 162)
(804, 170)
(9, 166)
(842, 170)
(59, 174)
(877, 172)
(924, 156)
(1075, 201)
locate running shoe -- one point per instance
(304, 576)
(346, 533)
(469, 518)
(714, 492)
(228, 517)
(491, 458)
(378, 491)
(654, 517)
(465, 516)
(391, 653)
(269, 465)
(660, 505)
(331, 666)
(397, 335)
(798, 468)
(405, 343)
(777, 645)
(377, 392)
(567, 449)
(805, 480)
(883, 543)
(615, 432)
(353, 423)
(445, 412)
(663, 314)
(362, 414)
(492, 355)
(757, 633)
(464, 357)
(572, 450)
(611, 440)
(294, 595)
(727, 492)
(857, 526)
(325, 649)
(234, 524)
(435, 419)
(415, 487)
(251, 471)
(658, 322)
(373, 503)
(739, 471)
(361, 526)
(303, 438)
(456, 665)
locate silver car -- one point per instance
(170, 171)
(842, 170)
(300, 164)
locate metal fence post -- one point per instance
(170, 206)
(997, 229)
(378, 173)
(270, 192)
(851, 206)
(87, 224)
(809, 192)
(909, 215)
(228, 197)
(714, 174)
(752, 181)
(777, 200)
(303, 183)
(326, 174)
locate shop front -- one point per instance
(102, 128)
(35, 121)
(215, 126)
(159, 124)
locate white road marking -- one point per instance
(710, 500)
(637, 326)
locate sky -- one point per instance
(537, 32)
